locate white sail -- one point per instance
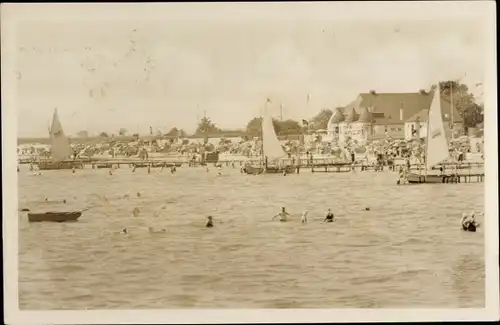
(271, 146)
(437, 145)
(60, 143)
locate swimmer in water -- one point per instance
(468, 222)
(303, 219)
(210, 222)
(282, 214)
(329, 216)
(110, 172)
(124, 231)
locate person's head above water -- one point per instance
(283, 209)
(209, 217)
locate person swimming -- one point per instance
(210, 222)
(124, 231)
(282, 214)
(468, 222)
(303, 219)
(329, 216)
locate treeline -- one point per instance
(463, 100)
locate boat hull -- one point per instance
(54, 216)
(431, 179)
(253, 170)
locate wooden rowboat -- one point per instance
(54, 216)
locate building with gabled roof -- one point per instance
(375, 115)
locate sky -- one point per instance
(105, 74)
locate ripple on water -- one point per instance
(405, 251)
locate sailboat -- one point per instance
(436, 145)
(271, 151)
(60, 148)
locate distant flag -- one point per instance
(268, 100)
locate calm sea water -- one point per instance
(407, 251)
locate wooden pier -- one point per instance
(332, 168)
(447, 179)
(320, 165)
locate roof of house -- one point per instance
(365, 116)
(390, 105)
(337, 116)
(351, 115)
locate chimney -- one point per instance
(401, 112)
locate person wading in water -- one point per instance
(329, 216)
(210, 222)
(282, 214)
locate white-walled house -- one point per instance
(373, 116)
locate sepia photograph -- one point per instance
(249, 162)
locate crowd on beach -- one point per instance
(386, 149)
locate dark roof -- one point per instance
(337, 116)
(388, 105)
(351, 115)
(365, 116)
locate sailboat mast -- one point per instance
(262, 129)
(452, 111)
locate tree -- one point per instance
(122, 132)
(463, 101)
(175, 132)
(104, 135)
(206, 126)
(254, 127)
(287, 127)
(320, 121)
